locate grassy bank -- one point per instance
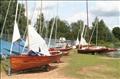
(92, 67)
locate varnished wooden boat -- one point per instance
(92, 50)
(23, 62)
(80, 46)
(65, 51)
(111, 49)
(96, 50)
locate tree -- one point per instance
(77, 27)
(116, 32)
(103, 34)
(40, 25)
(63, 29)
(11, 17)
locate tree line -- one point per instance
(98, 31)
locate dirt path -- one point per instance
(54, 73)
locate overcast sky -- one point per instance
(72, 11)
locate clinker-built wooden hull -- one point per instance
(24, 62)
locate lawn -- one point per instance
(83, 66)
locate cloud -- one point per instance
(80, 16)
(114, 12)
(46, 4)
(106, 8)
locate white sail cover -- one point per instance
(16, 33)
(83, 41)
(62, 39)
(77, 42)
(36, 42)
(26, 42)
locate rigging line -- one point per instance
(40, 17)
(96, 32)
(88, 21)
(27, 22)
(31, 19)
(87, 13)
(35, 6)
(91, 36)
(56, 21)
(79, 31)
(46, 27)
(51, 32)
(85, 31)
(19, 17)
(19, 12)
(14, 22)
(87, 17)
(5, 18)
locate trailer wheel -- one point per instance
(47, 68)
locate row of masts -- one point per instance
(83, 31)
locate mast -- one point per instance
(87, 13)
(14, 23)
(9, 69)
(40, 18)
(5, 18)
(56, 23)
(87, 18)
(96, 25)
(27, 23)
(4, 24)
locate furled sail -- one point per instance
(16, 34)
(77, 42)
(83, 41)
(36, 42)
(26, 42)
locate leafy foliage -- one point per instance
(101, 31)
(64, 29)
(116, 32)
(11, 17)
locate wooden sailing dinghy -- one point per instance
(38, 54)
(41, 56)
(24, 62)
(95, 49)
(91, 48)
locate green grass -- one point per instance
(4, 65)
(92, 67)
